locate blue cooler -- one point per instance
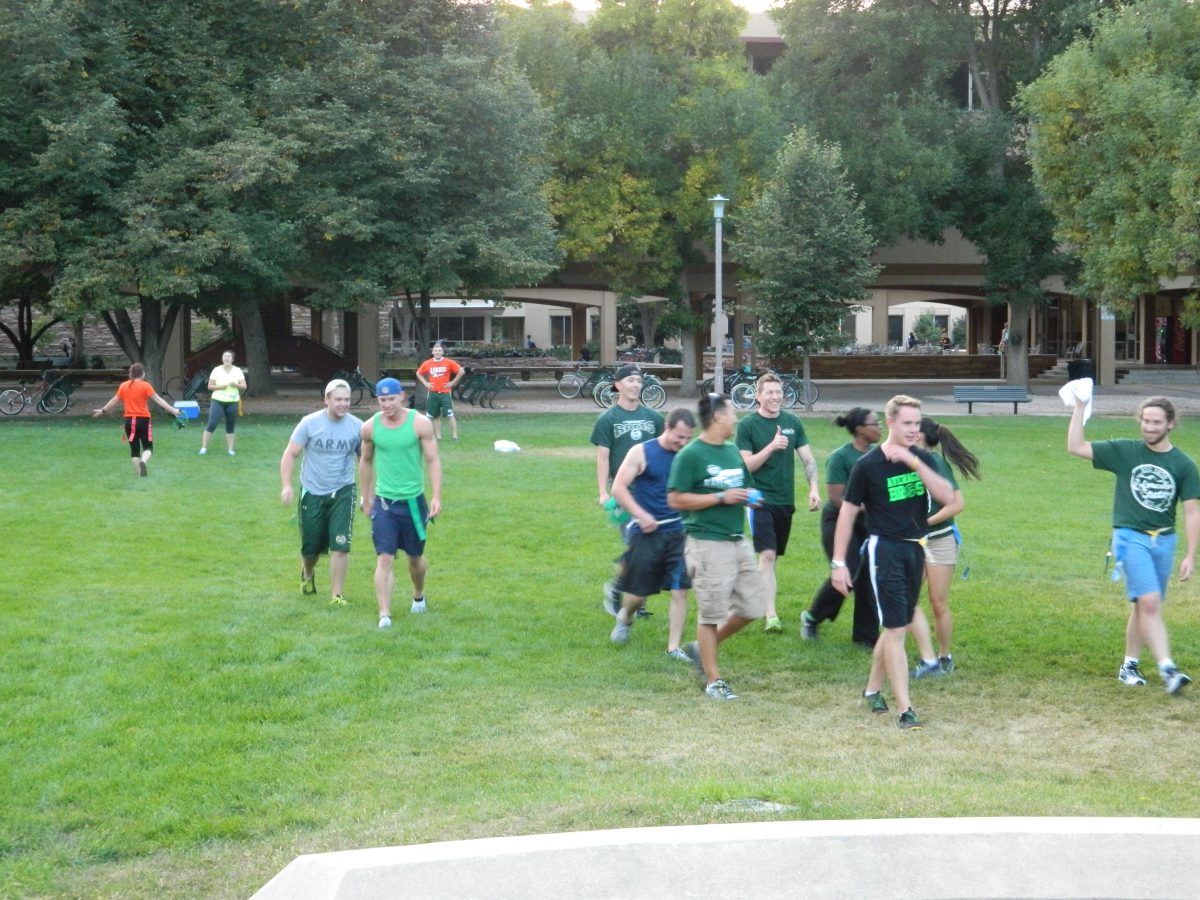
(189, 408)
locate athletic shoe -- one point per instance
(719, 690)
(418, 606)
(927, 669)
(947, 663)
(643, 613)
(338, 600)
(385, 621)
(620, 632)
(203, 451)
(308, 585)
(1174, 681)
(908, 720)
(142, 468)
(678, 654)
(233, 453)
(773, 625)
(1130, 674)
(875, 702)
(612, 599)
(808, 628)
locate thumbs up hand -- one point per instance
(779, 442)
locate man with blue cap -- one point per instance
(395, 443)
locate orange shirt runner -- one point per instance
(135, 395)
(439, 372)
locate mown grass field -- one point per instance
(178, 721)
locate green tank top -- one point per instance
(399, 474)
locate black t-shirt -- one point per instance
(892, 494)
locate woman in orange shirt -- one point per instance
(136, 394)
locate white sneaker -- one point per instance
(385, 621)
(418, 606)
(232, 453)
(203, 451)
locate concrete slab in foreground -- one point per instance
(880, 858)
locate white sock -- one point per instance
(1166, 666)
(1131, 660)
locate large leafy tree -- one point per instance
(922, 155)
(218, 154)
(805, 245)
(1115, 148)
(653, 112)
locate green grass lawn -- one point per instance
(179, 721)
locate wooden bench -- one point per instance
(972, 394)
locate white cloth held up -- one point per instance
(1079, 390)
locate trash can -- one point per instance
(1081, 368)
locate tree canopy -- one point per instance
(1115, 140)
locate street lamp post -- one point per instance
(718, 203)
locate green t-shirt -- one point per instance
(838, 466)
(704, 468)
(943, 468)
(1149, 484)
(776, 478)
(619, 429)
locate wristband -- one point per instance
(837, 564)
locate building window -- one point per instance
(509, 330)
(560, 331)
(896, 330)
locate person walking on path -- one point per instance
(864, 427)
(941, 548)
(439, 375)
(398, 447)
(891, 483)
(329, 440)
(1153, 476)
(136, 395)
(654, 558)
(626, 423)
(711, 485)
(767, 440)
(226, 384)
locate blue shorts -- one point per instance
(1145, 560)
(393, 527)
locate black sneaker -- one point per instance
(808, 628)
(909, 721)
(947, 663)
(643, 613)
(876, 702)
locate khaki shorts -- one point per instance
(725, 578)
(941, 551)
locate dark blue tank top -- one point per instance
(650, 488)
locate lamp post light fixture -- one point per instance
(718, 203)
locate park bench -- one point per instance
(972, 394)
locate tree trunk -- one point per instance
(806, 371)
(24, 339)
(648, 314)
(402, 321)
(422, 323)
(156, 328)
(1016, 357)
(254, 338)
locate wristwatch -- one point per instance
(837, 564)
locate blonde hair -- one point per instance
(767, 378)
(900, 400)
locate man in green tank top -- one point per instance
(397, 446)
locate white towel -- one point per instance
(1079, 390)
(506, 447)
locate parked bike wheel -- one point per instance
(11, 402)
(790, 396)
(174, 389)
(53, 401)
(807, 393)
(654, 396)
(743, 395)
(569, 385)
(605, 394)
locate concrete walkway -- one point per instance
(881, 858)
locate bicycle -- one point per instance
(798, 391)
(572, 384)
(186, 386)
(358, 384)
(653, 394)
(48, 397)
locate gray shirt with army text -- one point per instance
(331, 448)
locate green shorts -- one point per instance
(439, 405)
(327, 521)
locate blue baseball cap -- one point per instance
(388, 387)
